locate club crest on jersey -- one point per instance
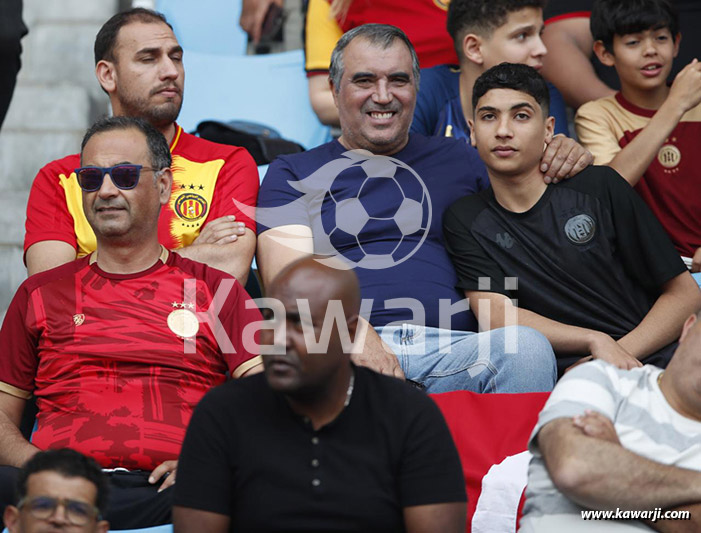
(190, 206)
(669, 156)
(183, 323)
(580, 229)
(443, 4)
(78, 319)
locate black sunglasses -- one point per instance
(123, 176)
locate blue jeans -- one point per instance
(513, 359)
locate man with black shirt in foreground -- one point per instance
(595, 271)
(318, 444)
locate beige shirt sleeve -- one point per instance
(596, 132)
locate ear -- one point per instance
(473, 139)
(604, 55)
(11, 518)
(549, 129)
(106, 75)
(688, 324)
(164, 183)
(333, 93)
(103, 526)
(472, 48)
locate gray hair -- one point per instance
(382, 35)
(157, 145)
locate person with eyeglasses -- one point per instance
(59, 490)
(118, 347)
(139, 64)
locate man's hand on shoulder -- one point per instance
(603, 347)
(564, 158)
(165, 471)
(375, 353)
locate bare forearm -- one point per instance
(15, 450)
(663, 323)
(231, 258)
(599, 474)
(633, 160)
(680, 526)
(321, 98)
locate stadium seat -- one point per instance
(268, 89)
(209, 26)
(491, 433)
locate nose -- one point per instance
(540, 49)
(108, 188)
(504, 127)
(59, 515)
(382, 93)
(649, 46)
(169, 69)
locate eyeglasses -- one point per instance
(43, 507)
(123, 176)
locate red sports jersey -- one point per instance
(118, 362)
(423, 21)
(207, 177)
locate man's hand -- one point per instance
(166, 471)
(685, 92)
(696, 261)
(594, 424)
(564, 158)
(222, 230)
(375, 353)
(252, 16)
(604, 347)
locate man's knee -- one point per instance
(525, 357)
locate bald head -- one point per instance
(320, 282)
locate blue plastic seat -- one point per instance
(269, 89)
(210, 26)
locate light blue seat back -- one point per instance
(210, 26)
(269, 89)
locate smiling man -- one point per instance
(317, 444)
(589, 264)
(139, 64)
(343, 198)
(119, 346)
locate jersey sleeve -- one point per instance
(237, 183)
(240, 318)
(18, 365)
(646, 250)
(430, 469)
(48, 218)
(204, 473)
(280, 204)
(588, 386)
(595, 134)
(474, 268)
(320, 36)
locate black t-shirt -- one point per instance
(589, 253)
(689, 22)
(248, 455)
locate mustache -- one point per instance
(168, 86)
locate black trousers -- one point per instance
(133, 502)
(12, 29)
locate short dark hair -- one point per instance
(106, 38)
(68, 463)
(481, 17)
(382, 35)
(157, 144)
(513, 76)
(613, 17)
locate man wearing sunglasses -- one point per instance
(59, 490)
(139, 65)
(119, 346)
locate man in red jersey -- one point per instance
(138, 63)
(119, 346)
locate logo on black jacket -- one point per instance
(580, 229)
(504, 240)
